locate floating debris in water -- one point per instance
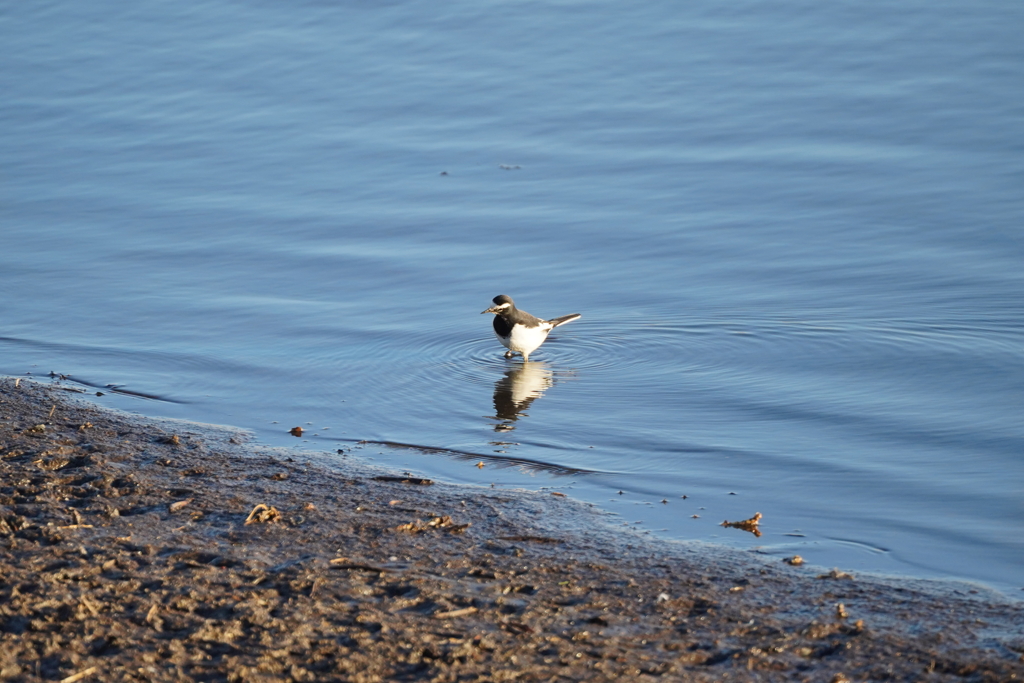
(747, 524)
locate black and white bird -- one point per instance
(519, 331)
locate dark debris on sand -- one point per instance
(125, 555)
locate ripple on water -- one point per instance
(596, 348)
(617, 363)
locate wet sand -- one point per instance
(125, 554)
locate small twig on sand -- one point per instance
(454, 613)
(343, 563)
(80, 675)
(261, 514)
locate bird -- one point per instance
(519, 331)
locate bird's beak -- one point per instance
(492, 309)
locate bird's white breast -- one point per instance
(526, 339)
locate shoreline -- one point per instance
(126, 555)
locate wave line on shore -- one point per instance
(505, 461)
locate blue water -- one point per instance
(794, 231)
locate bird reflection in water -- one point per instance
(521, 385)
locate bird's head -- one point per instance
(502, 303)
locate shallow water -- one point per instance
(793, 231)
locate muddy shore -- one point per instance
(125, 554)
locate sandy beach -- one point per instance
(146, 550)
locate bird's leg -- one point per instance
(526, 357)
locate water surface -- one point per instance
(793, 231)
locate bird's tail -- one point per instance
(561, 320)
